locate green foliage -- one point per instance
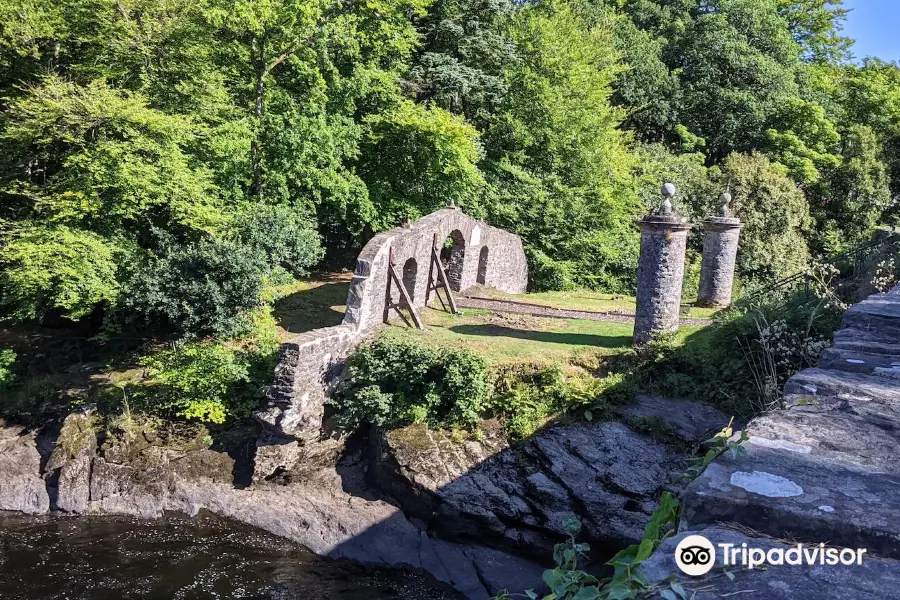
(287, 237)
(210, 382)
(775, 214)
(195, 380)
(419, 159)
(58, 269)
(716, 364)
(393, 383)
(527, 396)
(546, 147)
(102, 158)
(7, 362)
(205, 288)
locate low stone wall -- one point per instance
(311, 365)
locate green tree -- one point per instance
(557, 161)
(775, 214)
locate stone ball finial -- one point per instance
(452, 204)
(668, 192)
(725, 210)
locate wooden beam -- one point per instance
(405, 302)
(441, 283)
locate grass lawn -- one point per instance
(499, 337)
(579, 300)
(506, 338)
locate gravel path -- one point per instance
(539, 310)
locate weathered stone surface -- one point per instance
(604, 473)
(309, 368)
(690, 420)
(73, 457)
(720, 247)
(284, 459)
(21, 486)
(794, 491)
(820, 383)
(875, 579)
(660, 275)
(855, 361)
(327, 508)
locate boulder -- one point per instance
(72, 457)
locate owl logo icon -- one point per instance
(695, 555)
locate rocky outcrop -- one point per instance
(605, 474)
(21, 486)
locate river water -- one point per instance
(43, 558)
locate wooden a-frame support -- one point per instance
(436, 284)
(404, 302)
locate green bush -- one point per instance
(206, 382)
(7, 360)
(56, 269)
(742, 361)
(392, 383)
(200, 289)
(287, 237)
(527, 396)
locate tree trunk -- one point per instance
(255, 146)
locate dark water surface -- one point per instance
(205, 557)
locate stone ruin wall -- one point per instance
(311, 365)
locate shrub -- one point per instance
(7, 360)
(392, 383)
(197, 382)
(741, 362)
(56, 269)
(528, 396)
(204, 288)
(287, 237)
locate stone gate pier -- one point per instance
(660, 271)
(311, 365)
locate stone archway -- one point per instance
(453, 256)
(482, 266)
(410, 270)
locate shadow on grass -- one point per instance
(571, 339)
(311, 309)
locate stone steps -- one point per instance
(823, 383)
(826, 469)
(856, 361)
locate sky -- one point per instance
(874, 26)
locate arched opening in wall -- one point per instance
(410, 269)
(453, 255)
(482, 266)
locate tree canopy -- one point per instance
(239, 143)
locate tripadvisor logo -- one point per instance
(695, 555)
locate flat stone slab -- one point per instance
(784, 489)
(866, 341)
(856, 361)
(692, 421)
(879, 312)
(817, 383)
(874, 579)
